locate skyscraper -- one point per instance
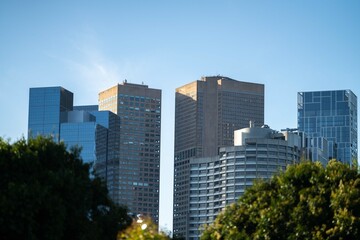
(80, 129)
(46, 105)
(122, 139)
(51, 113)
(108, 156)
(139, 109)
(207, 112)
(331, 115)
(215, 182)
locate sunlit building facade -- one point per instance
(139, 110)
(330, 115)
(218, 181)
(207, 112)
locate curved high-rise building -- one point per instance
(258, 153)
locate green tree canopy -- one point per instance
(46, 193)
(142, 229)
(307, 201)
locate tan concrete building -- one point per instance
(138, 167)
(207, 112)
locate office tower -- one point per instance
(51, 113)
(98, 134)
(80, 129)
(123, 144)
(46, 104)
(107, 165)
(207, 112)
(331, 115)
(215, 182)
(139, 109)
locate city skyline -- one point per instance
(120, 137)
(287, 46)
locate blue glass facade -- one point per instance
(51, 113)
(46, 106)
(107, 165)
(80, 134)
(331, 115)
(88, 108)
(122, 140)
(79, 129)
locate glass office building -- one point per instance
(107, 165)
(331, 115)
(46, 105)
(207, 112)
(51, 113)
(139, 110)
(121, 140)
(81, 129)
(88, 108)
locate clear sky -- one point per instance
(88, 46)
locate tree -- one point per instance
(307, 201)
(141, 229)
(46, 193)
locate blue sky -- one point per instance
(88, 46)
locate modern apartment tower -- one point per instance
(215, 182)
(207, 112)
(139, 109)
(331, 115)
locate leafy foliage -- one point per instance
(307, 201)
(46, 193)
(142, 229)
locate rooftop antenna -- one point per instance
(251, 123)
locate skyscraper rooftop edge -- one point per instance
(219, 77)
(328, 90)
(127, 84)
(227, 84)
(48, 87)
